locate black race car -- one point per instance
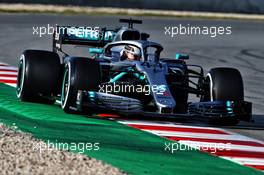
(126, 75)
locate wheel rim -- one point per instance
(20, 76)
(65, 86)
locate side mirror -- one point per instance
(93, 50)
(181, 56)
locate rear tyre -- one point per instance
(79, 74)
(38, 74)
(224, 84)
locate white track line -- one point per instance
(170, 124)
(7, 78)
(251, 161)
(8, 68)
(200, 135)
(11, 84)
(8, 73)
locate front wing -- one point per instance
(96, 102)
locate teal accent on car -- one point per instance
(228, 103)
(91, 94)
(229, 107)
(177, 56)
(181, 57)
(82, 33)
(93, 50)
(141, 77)
(117, 77)
(109, 35)
(92, 35)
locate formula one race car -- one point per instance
(126, 75)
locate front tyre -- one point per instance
(79, 74)
(38, 74)
(224, 84)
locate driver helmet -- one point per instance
(134, 51)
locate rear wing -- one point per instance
(81, 36)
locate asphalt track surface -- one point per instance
(243, 49)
